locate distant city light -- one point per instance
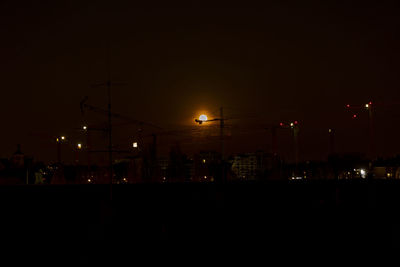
(79, 146)
(363, 173)
(354, 116)
(84, 128)
(203, 117)
(62, 137)
(135, 145)
(347, 105)
(204, 161)
(330, 130)
(281, 124)
(367, 105)
(291, 124)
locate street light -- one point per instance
(370, 108)
(331, 141)
(78, 148)
(294, 127)
(59, 141)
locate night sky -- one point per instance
(265, 63)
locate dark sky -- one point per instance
(280, 60)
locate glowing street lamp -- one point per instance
(59, 140)
(78, 148)
(294, 127)
(370, 108)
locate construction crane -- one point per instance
(128, 120)
(370, 107)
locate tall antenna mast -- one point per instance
(108, 84)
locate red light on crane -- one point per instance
(354, 116)
(281, 124)
(347, 105)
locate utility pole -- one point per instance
(58, 151)
(77, 156)
(295, 129)
(331, 141)
(274, 139)
(371, 142)
(59, 140)
(108, 84)
(222, 125)
(88, 148)
(110, 151)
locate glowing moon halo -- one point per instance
(203, 117)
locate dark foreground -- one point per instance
(79, 223)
